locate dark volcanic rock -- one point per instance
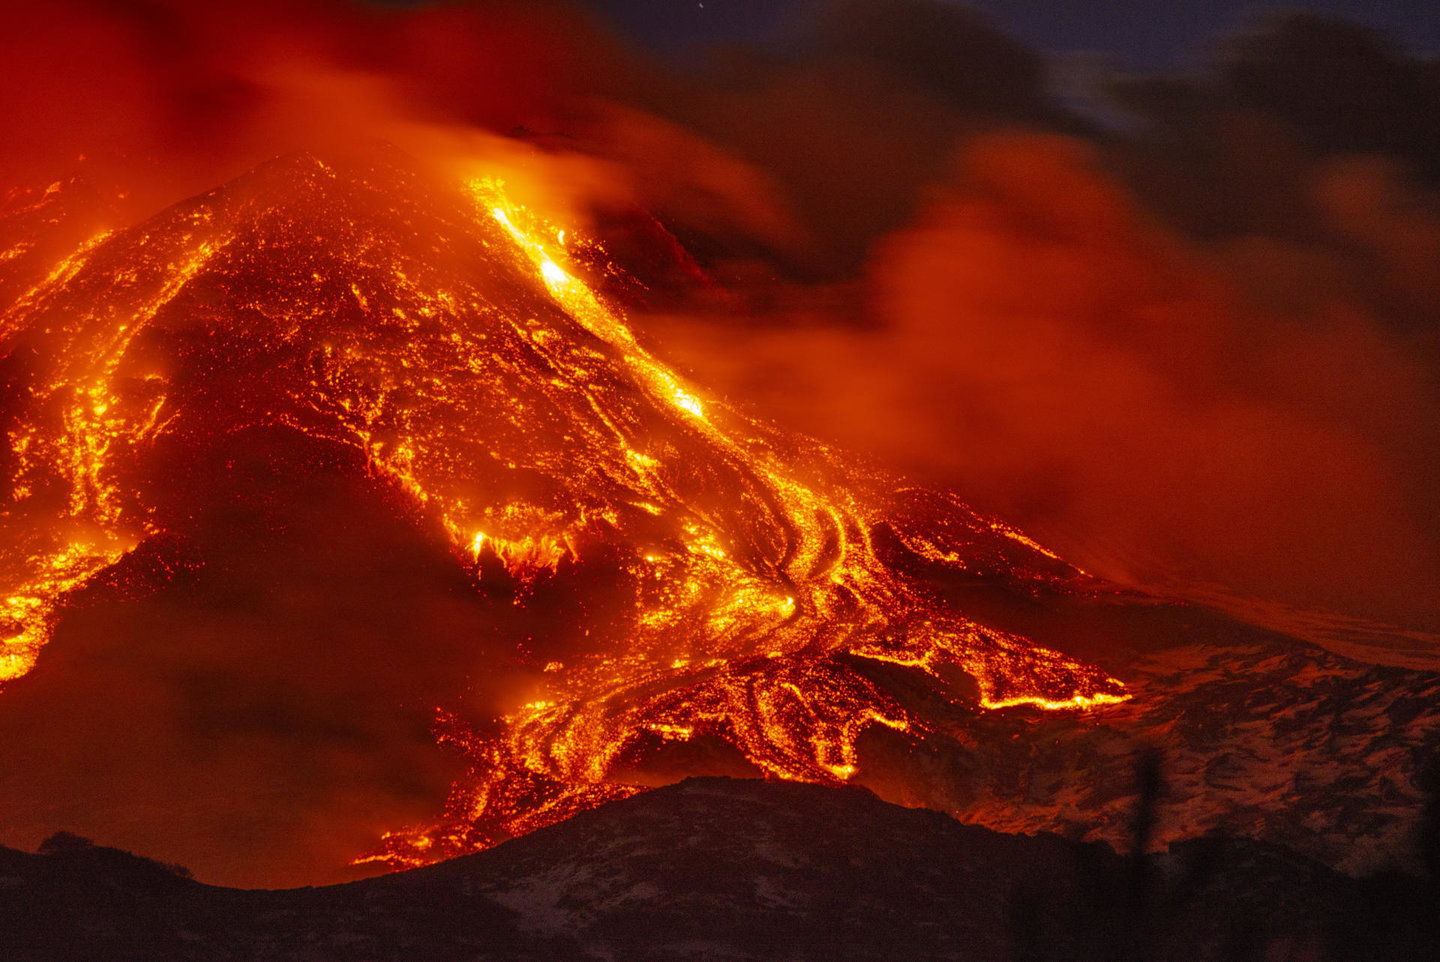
(715, 868)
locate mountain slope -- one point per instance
(715, 868)
(687, 575)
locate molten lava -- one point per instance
(447, 336)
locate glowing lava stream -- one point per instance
(771, 684)
(97, 423)
(755, 581)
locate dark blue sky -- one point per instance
(1139, 32)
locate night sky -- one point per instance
(1139, 33)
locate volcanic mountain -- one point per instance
(669, 587)
(698, 576)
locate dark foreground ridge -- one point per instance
(719, 868)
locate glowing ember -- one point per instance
(493, 386)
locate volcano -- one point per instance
(669, 587)
(701, 577)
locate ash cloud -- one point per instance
(1198, 347)
(169, 97)
(1063, 361)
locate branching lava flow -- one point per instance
(448, 337)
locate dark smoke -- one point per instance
(1199, 347)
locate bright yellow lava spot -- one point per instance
(688, 403)
(554, 276)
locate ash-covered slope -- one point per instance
(717, 868)
(1259, 735)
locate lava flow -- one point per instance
(448, 336)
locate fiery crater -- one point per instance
(446, 335)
